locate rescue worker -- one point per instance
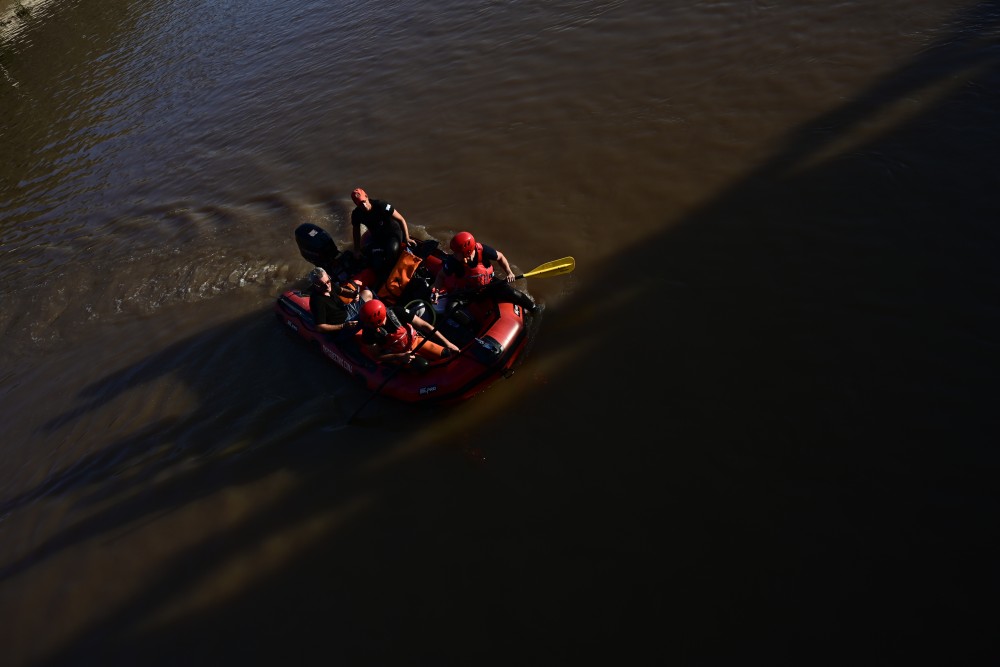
(387, 234)
(391, 335)
(469, 268)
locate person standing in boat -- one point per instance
(388, 232)
(391, 335)
(331, 314)
(469, 268)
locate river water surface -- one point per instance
(757, 422)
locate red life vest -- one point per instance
(478, 274)
(400, 339)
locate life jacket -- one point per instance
(478, 274)
(395, 336)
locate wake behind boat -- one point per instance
(491, 334)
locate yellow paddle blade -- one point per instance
(556, 267)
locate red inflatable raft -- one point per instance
(492, 335)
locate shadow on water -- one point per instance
(217, 435)
(797, 463)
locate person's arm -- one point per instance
(333, 328)
(321, 317)
(376, 352)
(429, 331)
(402, 223)
(506, 267)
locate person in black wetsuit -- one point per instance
(387, 231)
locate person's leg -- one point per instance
(383, 259)
(392, 247)
(432, 351)
(353, 308)
(505, 292)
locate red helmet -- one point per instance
(463, 243)
(373, 313)
(358, 195)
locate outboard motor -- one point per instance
(315, 245)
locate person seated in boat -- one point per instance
(334, 307)
(387, 235)
(469, 269)
(397, 336)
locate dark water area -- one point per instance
(758, 422)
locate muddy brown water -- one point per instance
(757, 421)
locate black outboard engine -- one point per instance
(316, 246)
